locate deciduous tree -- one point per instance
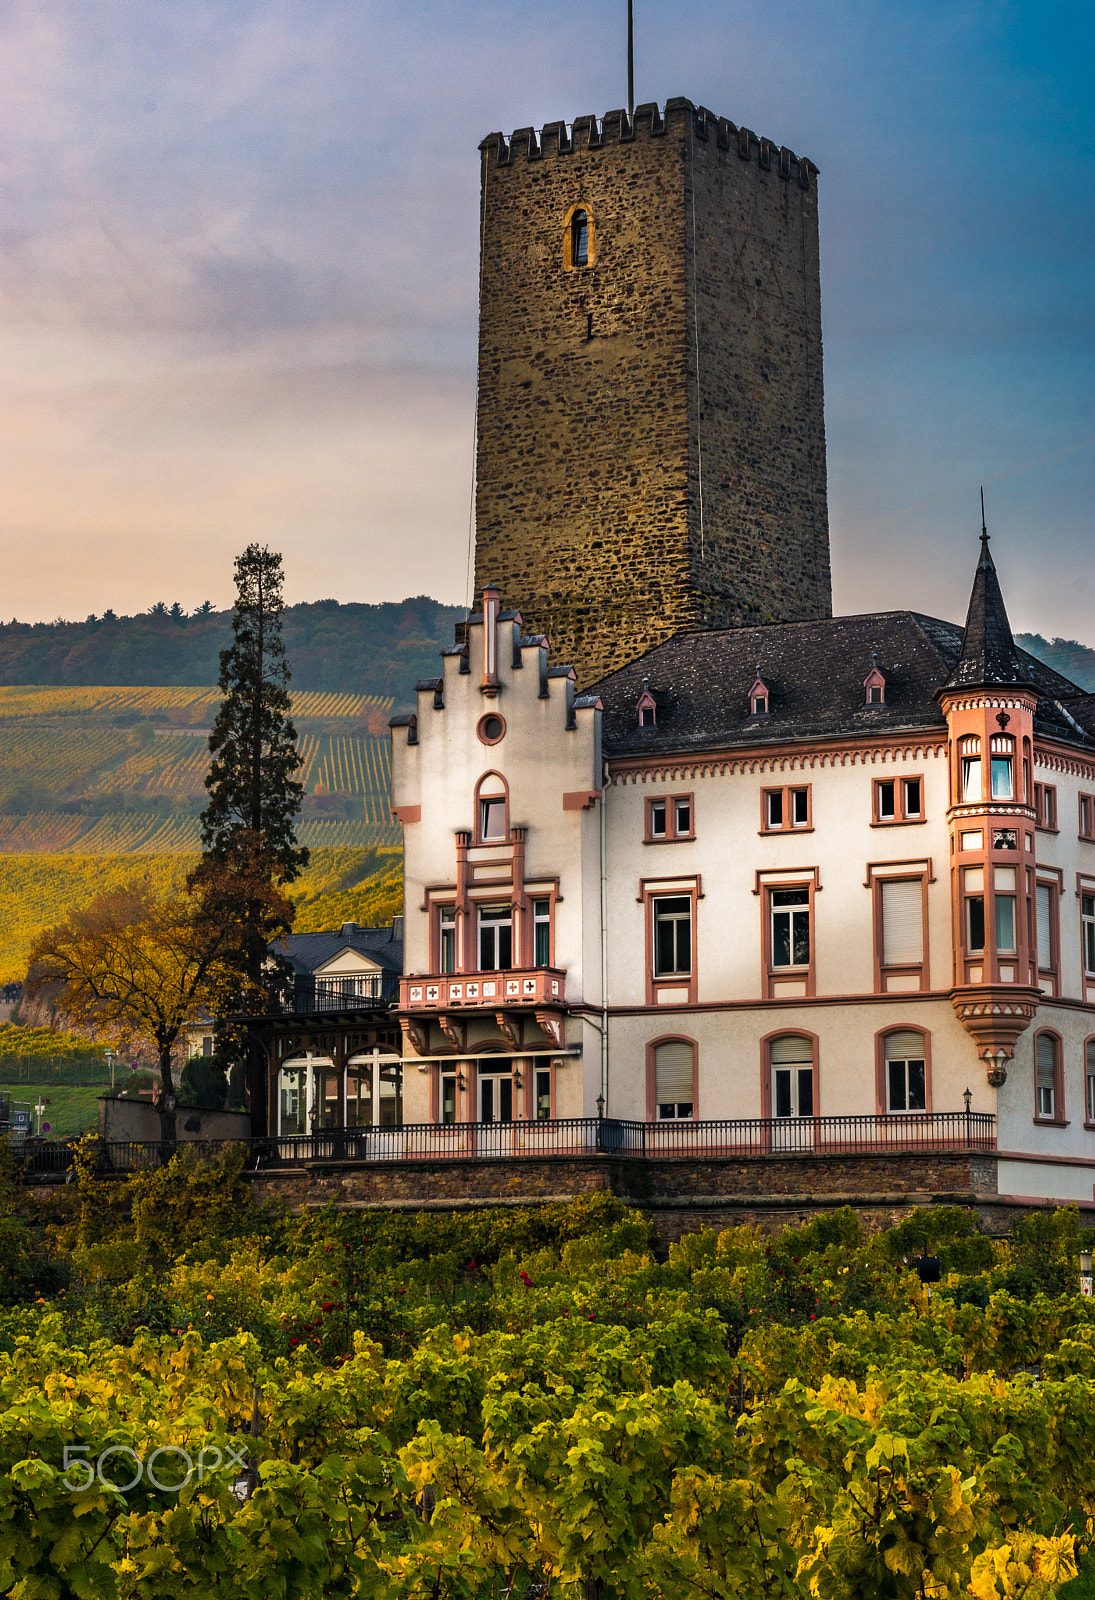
(131, 967)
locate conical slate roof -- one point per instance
(988, 654)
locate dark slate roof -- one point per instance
(307, 952)
(815, 673)
(988, 654)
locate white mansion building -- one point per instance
(774, 877)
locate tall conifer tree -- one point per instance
(253, 796)
(248, 826)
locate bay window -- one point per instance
(541, 933)
(495, 938)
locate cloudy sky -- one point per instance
(238, 280)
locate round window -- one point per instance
(491, 728)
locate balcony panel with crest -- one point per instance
(528, 986)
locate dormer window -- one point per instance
(874, 686)
(647, 707)
(759, 698)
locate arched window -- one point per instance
(905, 1085)
(791, 1060)
(579, 238)
(671, 1081)
(491, 809)
(1002, 762)
(1049, 1098)
(969, 753)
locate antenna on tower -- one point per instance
(630, 60)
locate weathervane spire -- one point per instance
(984, 529)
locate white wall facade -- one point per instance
(587, 842)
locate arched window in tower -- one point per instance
(579, 238)
(1002, 758)
(969, 754)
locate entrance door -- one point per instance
(496, 1098)
(496, 1107)
(792, 1059)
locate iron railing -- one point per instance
(362, 992)
(576, 1136)
(924, 1132)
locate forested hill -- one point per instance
(1073, 660)
(376, 650)
(379, 649)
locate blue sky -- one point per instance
(238, 280)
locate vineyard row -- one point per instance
(199, 704)
(126, 832)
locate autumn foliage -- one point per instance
(135, 968)
(527, 1403)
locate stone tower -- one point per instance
(651, 437)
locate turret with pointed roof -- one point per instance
(988, 654)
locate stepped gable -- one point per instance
(815, 674)
(988, 654)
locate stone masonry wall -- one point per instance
(756, 407)
(594, 421)
(765, 1183)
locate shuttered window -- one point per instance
(792, 1060)
(673, 1080)
(902, 923)
(790, 1050)
(906, 1072)
(1045, 925)
(1046, 1060)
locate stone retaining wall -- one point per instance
(685, 1195)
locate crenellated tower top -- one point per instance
(649, 122)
